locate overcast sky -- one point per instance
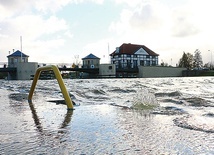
(62, 31)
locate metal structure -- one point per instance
(60, 82)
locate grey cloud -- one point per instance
(11, 4)
(145, 18)
(182, 27)
(8, 3)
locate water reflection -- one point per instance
(38, 124)
(17, 101)
(67, 119)
(35, 117)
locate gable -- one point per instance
(90, 56)
(141, 51)
(132, 49)
(18, 54)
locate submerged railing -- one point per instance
(60, 82)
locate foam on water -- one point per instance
(144, 100)
(195, 122)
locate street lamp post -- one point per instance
(211, 60)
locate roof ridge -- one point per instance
(18, 53)
(90, 56)
(128, 48)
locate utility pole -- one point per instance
(211, 59)
(109, 59)
(21, 46)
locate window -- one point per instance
(129, 63)
(147, 56)
(147, 63)
(141, 62)
(110, 67)
(12, 60)
(135, 63)
(119, 64)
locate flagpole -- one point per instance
(21, 46)
(108, 54)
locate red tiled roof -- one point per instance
(132, 48)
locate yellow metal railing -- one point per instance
(60, 82)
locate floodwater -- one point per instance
(112, 116)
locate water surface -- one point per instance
(181, 120)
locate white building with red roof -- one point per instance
(129, 56)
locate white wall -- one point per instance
(13, 61)
(107, 70)
(159, 71)
(26, 69)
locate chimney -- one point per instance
(9, 52)
(117, 50)
(13, 50)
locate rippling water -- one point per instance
(112, 116)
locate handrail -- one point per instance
(60, 82)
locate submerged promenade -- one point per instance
(111, 116)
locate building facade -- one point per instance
(24, 69)
(107, 70)
(90, 61)
(130, 56)
(16, 57)
(159, 71)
